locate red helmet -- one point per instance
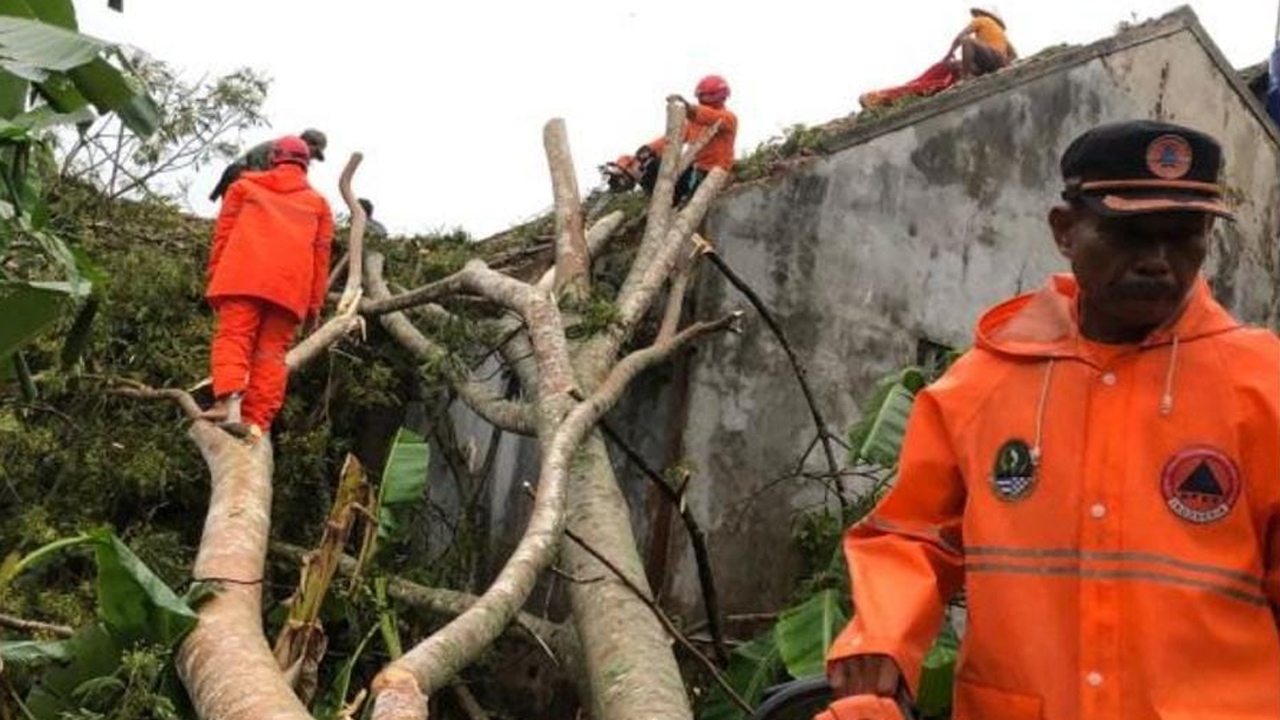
(291, 149)
(712, 89)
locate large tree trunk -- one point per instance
(630, 664)
(226, 664)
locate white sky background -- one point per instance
(447, 99)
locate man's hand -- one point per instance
(864, 675)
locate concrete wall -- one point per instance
(907, 235)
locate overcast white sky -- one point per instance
(447, 99)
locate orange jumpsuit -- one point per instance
(1113, 513)
(268, 271)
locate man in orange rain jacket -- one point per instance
(1101, 474)
(267, 273)
(712, 92)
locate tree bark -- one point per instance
(630, 666)
(225, 663)
(573, 263)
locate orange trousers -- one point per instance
(247, 355)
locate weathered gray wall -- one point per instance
(910, 235)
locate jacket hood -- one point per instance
(1044, 324)
(283, 178)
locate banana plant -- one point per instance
(51, 76)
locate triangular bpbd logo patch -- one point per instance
(1201, 482)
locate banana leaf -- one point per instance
(805, 632)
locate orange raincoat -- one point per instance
(272, 242)
(268, 270)
(1113, 513)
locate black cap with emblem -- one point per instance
(1143, 166)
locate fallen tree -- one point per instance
(565, 388)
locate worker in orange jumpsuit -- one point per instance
(267, 273)
(983, 44)
(712, 92)
(1100, 474)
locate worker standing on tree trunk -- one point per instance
(258, 158)
(984, 47)
(267, 273)
(1099, 474)
(709, 112)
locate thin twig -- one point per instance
(666, 621)
(570, 577)
(16, 623)
(697, 539)
(801, 373)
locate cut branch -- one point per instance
(572, 264)
(637, 362)
(428, 293)
(643, 284)
(355, 244)
(695, 147)
(598, 237)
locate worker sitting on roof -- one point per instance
(258, 158)
(709, 115)
(984, 46)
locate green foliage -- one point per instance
(591, 315)
(753, 668)
(199, 123)
(796, 141)
(404, 482)
(800, 638)
(877, 437)
(132, 602)
(937, 675)
(804, 632)
(29, 308)
(38, 44)
(118, 667)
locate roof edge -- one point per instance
(1178, 20)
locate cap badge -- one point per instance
(1169, 157)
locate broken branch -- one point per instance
(572, 261)
(355, 238)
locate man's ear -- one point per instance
(1062, 219)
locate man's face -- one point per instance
(1133, 271)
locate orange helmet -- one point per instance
(712, 89)
(291, 149)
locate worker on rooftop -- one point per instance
(983, 44)
(708, 115)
